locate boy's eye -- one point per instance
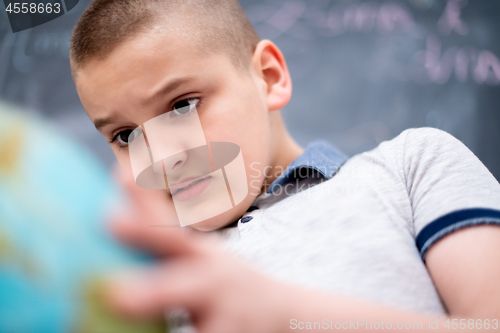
(123, 137)
(127, 136)
(185, 106)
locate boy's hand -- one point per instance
(221, 293)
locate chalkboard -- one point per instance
(362, 71)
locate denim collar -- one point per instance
(320, 156)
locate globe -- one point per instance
(54, 248)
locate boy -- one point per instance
(379, 241)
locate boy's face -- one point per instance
(150, 75)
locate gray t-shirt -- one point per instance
(364, 232)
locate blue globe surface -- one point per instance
(54, 248)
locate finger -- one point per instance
(161, 241)
(137, 195)
(155, 207)
(150, 292)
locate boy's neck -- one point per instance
(285, 150)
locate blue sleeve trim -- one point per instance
(444, 225)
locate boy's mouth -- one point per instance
(189, 188)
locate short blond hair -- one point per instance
(217, 25)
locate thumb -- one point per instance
(160, 240)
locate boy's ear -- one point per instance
(271, 67)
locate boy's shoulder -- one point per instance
(422, 146)
(423, 137)
(429, 137)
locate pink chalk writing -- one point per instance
(450, 20)
(432, 65)
(384, 18)
(288, 14)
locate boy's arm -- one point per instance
(456, 211)
(465, 267)
(225, 295)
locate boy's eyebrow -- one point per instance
(167, 89)
(98, 123)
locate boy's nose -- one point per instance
(173, 163)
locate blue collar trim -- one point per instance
(318, 155)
